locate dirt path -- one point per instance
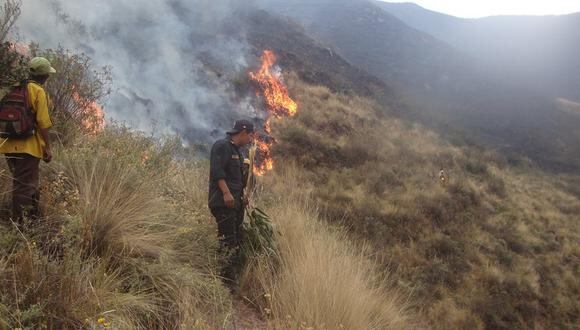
(246, 317)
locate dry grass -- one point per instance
(320, 279)
(495, 247)
(121, 240)
(128, 238)
(127, 235)
(114, 245)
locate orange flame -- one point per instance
(94, 119)
(265, 162)
(278, 105)
(91, 114)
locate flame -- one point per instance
(265, 162)
(278, 104)
(94, 119)
(91, 114)
(278, 101)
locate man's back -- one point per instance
(39, 105)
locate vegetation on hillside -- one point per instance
(365, 230)
(496, 246)
(124, 241)
(320, 278)
(122, 238)
(446, 90)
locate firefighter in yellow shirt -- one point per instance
(23, 155)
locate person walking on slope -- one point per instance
(442, 177)
(25, 145)
(226, 190)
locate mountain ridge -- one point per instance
(538, 50)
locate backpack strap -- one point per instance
(24, 84)
(26, 96)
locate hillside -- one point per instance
(494, 247)
(365, 234)
(350, 46)
(448, 90)
(126, 240)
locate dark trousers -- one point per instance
(229, 222)
(25, 192)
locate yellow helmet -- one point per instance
(40, 66)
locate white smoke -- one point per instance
(172, 64)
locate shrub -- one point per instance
(12, 66)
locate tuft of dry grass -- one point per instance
(320, 279)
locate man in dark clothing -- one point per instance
(226, 192)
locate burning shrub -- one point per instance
(278, 104)
(76, 90)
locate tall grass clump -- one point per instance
(318, 278)
(120, 240)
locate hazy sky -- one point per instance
(480, 8)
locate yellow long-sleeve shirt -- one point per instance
(39, 104)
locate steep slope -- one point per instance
(537, 51)
(447, 89)
(493, 247)
(128, 242)
(128, 238)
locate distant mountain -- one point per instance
(537, 51)
(443, 86)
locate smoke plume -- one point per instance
(172, 62)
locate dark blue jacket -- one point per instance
(226, 162)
